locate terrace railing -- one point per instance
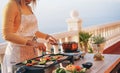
(111, 31)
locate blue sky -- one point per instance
(52, 14)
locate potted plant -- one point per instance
(83, 40)
(98, 43)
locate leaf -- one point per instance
(98, 39)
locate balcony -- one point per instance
(111, 31)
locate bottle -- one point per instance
(59, 50)
(52, 50)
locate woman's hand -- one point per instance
(36, 45)
(51, 40)
(40, 46)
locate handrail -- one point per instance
(109, 30)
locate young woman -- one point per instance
(19, 30)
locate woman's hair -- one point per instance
(33, 2)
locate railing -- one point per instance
(111, 31)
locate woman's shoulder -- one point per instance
(11, 5)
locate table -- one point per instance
(110, 64)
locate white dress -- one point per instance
(16, 53)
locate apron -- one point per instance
(16, 53)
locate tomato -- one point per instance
(29, 64)
(47, 58)
(38, 59)
(78, 68)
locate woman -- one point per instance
(20, 29)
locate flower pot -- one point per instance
(98, 57)
(98, 47)
(98, 50)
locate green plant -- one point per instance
(98, 39)
(83, 39)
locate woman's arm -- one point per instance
(50, 38)
(10, 13)
(41, 35)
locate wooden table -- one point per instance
(110, 64)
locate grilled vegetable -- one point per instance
(60, 70)
(42, 62)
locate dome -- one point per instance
(74, 14)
